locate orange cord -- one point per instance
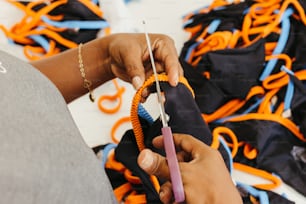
(136, 100)
(32, 20)
(218, 131)
(116, 97)
(135, 120)
(275, 181)
(116, 126)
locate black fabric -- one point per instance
(274, 143)
(274, 198)
(127, 153)
(208, 96)
(72, 10)
(298, 102)
(233, 72)
(300, 47)
(185, 117)
(231, 17)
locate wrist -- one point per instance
(96, 60)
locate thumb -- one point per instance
(137, 81)
(153, 164)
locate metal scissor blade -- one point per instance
(159, 96)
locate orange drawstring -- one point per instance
(121, 191)
(232, 106)
(32, 24)
(271, 117)
(136, 100)
(261, 173)
(249, 152)
(218, 131)
(92, 7)
(116, 97)
(112, 163)
(116, 126)
(135, 120)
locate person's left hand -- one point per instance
(130, 59)
(125, 56)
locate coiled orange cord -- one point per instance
(116, 97)
(136, 100)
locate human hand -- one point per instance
(204, 174)
(130, 60)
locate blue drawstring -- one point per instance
(79, 24)
(253, 106)
(228, 151)
(190, 49)
(41, 41)
(106, 151)
(95, 2)
(282, 41)
(290, 89)
(261, 195)
(212, 27)
(142, 112)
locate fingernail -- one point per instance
(137, 82)
(161, 194)
(147, 160)
(175, 80)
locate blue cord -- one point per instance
(106, 151)
(142, 112)
(290, 89)
(42, 41)
(228, 151)
(253, 106)
(190, 49)
(189, 21)
(282, 41)
(213, 26)
(262, 195)
(87, 24)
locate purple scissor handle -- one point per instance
(175, 174)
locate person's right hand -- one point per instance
(204, 174)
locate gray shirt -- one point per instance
(43, 158)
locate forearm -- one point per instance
(117, 55)
(64, 69)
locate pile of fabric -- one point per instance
(244, 63)
(49, 27)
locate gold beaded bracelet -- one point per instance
(87, 83)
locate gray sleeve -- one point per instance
(43, 158)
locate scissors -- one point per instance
(175, 174)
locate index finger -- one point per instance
(165, 52)
(186, 143)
